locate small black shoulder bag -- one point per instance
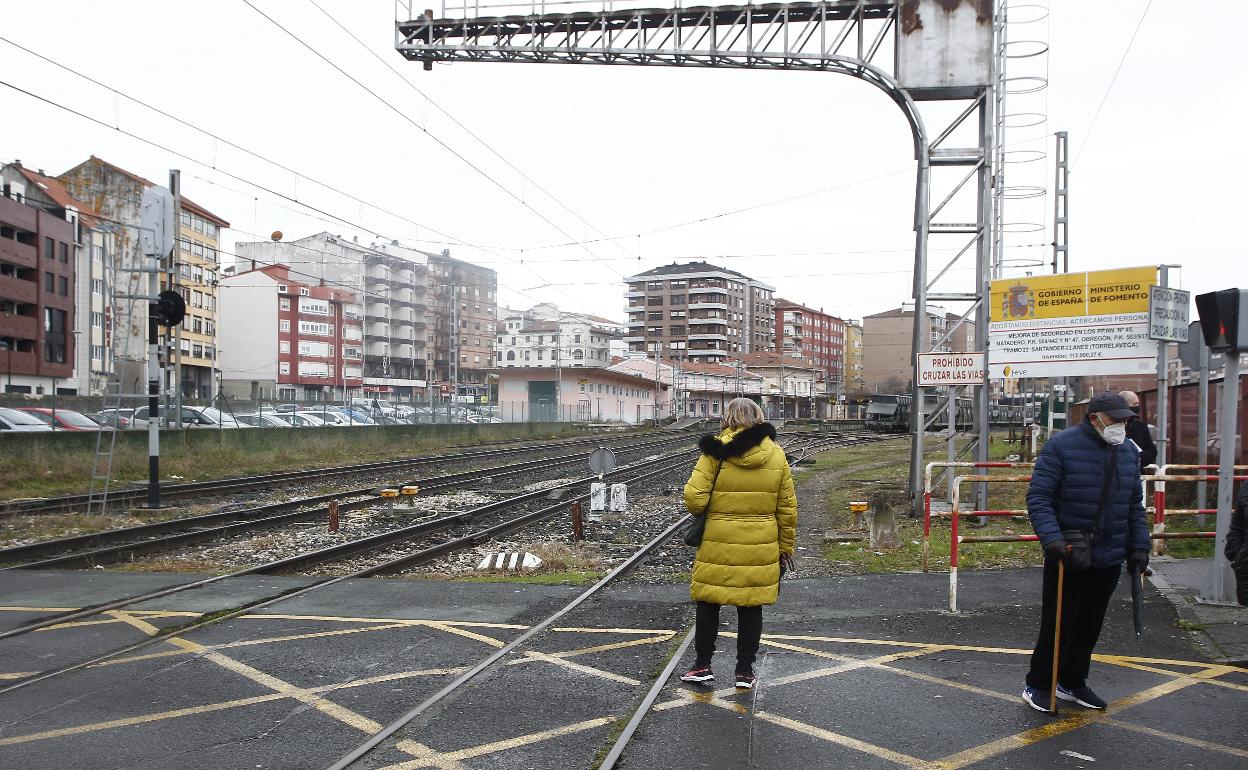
(693, 535)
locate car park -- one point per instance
(169, 417)
(301, 420)
(121, 419)
(215, 418)
(63, 419)
(15, 421)
(327, 417)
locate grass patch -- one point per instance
(170, 564)
(47, 469)
(886, 473)
(558, 556)
(24, 529)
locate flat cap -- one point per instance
(1112, 404)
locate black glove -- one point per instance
(1137, 560)
(1057, 550)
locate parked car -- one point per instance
(301, 420)
(286, 408)
(63, 419)
(354, 415)
(327, 417)
(20, 422)
(169, 414)
(266, 420)
(121, 419)
(216, 418)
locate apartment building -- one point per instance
(813, 336)
(887, 339)
(390, 283)
(287, 339)
(116, 194)
(545, 337)
(464, 299)
(792, 387)
(37, 280)
(854, 380)
(92, 252)
(698, 311)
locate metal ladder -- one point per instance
(115, 395)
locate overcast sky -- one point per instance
(624, 151)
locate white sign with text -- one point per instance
(942, 369)
(1168, 314)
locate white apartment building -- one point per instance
(544, 337)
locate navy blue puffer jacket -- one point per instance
(1066, 490)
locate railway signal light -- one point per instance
(169, 309)
(1224, 319)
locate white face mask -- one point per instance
(1114, 433)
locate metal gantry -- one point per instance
(910, 50)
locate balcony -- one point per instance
(21, 326)
(378, 329)
(700, 336)
(708, 306)
(712, 352)
(18, 290)
(18, 253)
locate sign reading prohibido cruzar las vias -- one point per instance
(1072, 324)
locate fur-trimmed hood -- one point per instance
(738, 442)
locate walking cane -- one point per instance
(1057, 632)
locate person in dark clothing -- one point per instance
(1086, 479)
(1237, 543)
(1137, 431)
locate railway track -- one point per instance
(107, 547)
(395, 562)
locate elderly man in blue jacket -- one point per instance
(1086, 480)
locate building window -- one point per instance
(304, 292)
(97, 286)
(677, 299)
(283, 346)
(281, 288)
(285, 303)
(654, 301)
(284, 325)
(65, 252)
(284, 367)
(49, 248)
(97, 320)
(49, 283)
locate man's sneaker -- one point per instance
(745, 680)
(698, 674)
(1037, 699)
(1081, 695)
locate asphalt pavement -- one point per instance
(861, 672)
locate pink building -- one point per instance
(574, 395)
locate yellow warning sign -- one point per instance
(1103, 292)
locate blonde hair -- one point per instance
(742, 413)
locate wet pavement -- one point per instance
(864, 672)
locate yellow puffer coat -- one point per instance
(751, 520)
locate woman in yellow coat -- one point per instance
(751, 527)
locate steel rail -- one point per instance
(211, 521)
(250, 607)
(398, 724)
(46, 504)
(322, 555)
(643, 708)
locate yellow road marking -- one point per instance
(221, 706)
(466, 634)
(80, 623)
(899, 671)
(247, 643)
(844, 740)
(18, 674)
(38, 609)
(667, 631)
(506, 744)
(408, 621)
(1181, 675)
(609, 647)
(1208, 745)
(532, 656)
(1074, 721)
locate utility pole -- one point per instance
(173, 280)
(1202, 431)
(454, 369)
(1163, 385)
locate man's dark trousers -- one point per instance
(1085, 598)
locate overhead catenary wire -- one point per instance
(1087, 135)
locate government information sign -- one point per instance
(1072, 324)
(1167, 314)
(938, 369)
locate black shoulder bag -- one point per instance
(693, 535)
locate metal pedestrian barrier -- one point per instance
(927, 494)
(1159, 510)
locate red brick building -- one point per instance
(37, 289)
(288, 340)
(813, 336)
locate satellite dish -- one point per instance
(276, 236)
(602, 460)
